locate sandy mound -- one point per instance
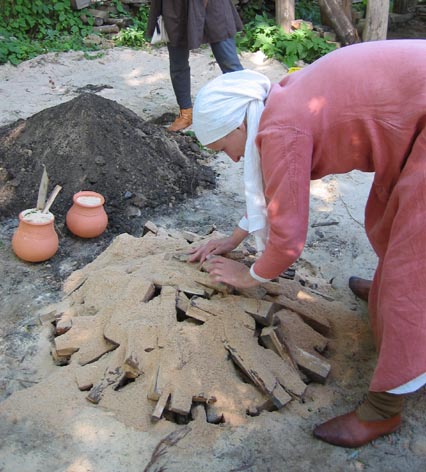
(92, 143)
(149, 336)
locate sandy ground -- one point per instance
(57, 434)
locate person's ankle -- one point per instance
(379, 406)
(182, 121)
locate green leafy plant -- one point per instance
(29, 28)
(263, 34)
(135, 35)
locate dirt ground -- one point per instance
(58, 432)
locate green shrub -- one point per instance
(29, 28)
(263, 34)
(32, 27)
(135, 35)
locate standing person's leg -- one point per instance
(180, 76)
(225, 53)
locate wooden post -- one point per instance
(342, 25)
(346, 6)
(376, 21)
(284, 14)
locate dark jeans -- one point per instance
(225, 53)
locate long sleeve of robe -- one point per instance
(361, 107)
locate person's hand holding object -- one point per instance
(229, 272)
(218, 246)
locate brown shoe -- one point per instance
(349, 431)
(360, 287)
(182, 121)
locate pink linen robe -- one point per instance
(360, 107)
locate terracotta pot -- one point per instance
(87, 217)
(35, 239)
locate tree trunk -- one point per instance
(376, 21)
(347, 8)
(342, 25)
(284, 13)
(404, 6)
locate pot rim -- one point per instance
(22, 215)
(88, 193)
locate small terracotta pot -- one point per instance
(87, 217)
(35, 239)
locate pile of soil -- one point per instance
(92, 143)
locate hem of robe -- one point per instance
(411, 386)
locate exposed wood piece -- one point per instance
(161, 405)
(154, 391)
(314, 367)
(209, 306)
(86, 376)
(73, 283)
(203, 398)
(148, 290)
(112, 378)
(198, 413)
(292, 327)
(66, 347)
(86, 337)
(270, 340)
(262, 311)
(149, 227)
(182, 301)
(275, 289)
(54, 311)
(193, 290)
(180, 402)
(309, 309)
(219, 287)
(322, 295)
(197, 314)
(63, 325)
(303, 343)
(131, 366)
(273, 389)
(214, 414)
(59, 360)
(106, 29)
(285, 373)
(191, 237)
(257, 293)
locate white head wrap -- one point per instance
(221, 107)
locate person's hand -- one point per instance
(229, 272)
(213, 247)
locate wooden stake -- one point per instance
(42, 190)
(51, 199)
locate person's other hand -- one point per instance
(229, 272)
(213, 247)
